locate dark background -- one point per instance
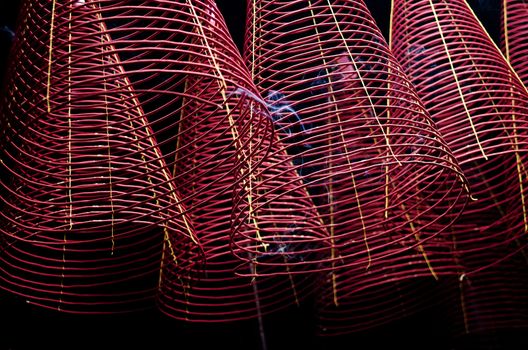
(26, 327)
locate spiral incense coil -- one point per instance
(481, 109)
(219, 294)
(88, 201)
(208, 123)
(514, 35)
(384, 183)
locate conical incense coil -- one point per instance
(88, 200)
(481, 109)
(208, 122)
(384, 183)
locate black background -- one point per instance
(26, 327)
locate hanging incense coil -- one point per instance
(208, 123)
(87, 198)
(381, 177)
(514, 35)
(481, 109)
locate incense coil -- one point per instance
(481, 109)
(88, 200)
(356, 132)
(208, 122)
(514, 29)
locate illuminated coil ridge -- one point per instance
(87, 199)
(514, 35)
(384, 183)
(481, 109)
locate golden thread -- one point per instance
(107, 116)
(69, 154)
(234, 131)
(459, 88)
(341, 132)
(362, 82)
(420, 246)
(519, 164)
(50, 56)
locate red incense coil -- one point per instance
(208, 122)
(514, 35)
(218, 295)
(88, 199)
(481, 109)
(384, 183)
